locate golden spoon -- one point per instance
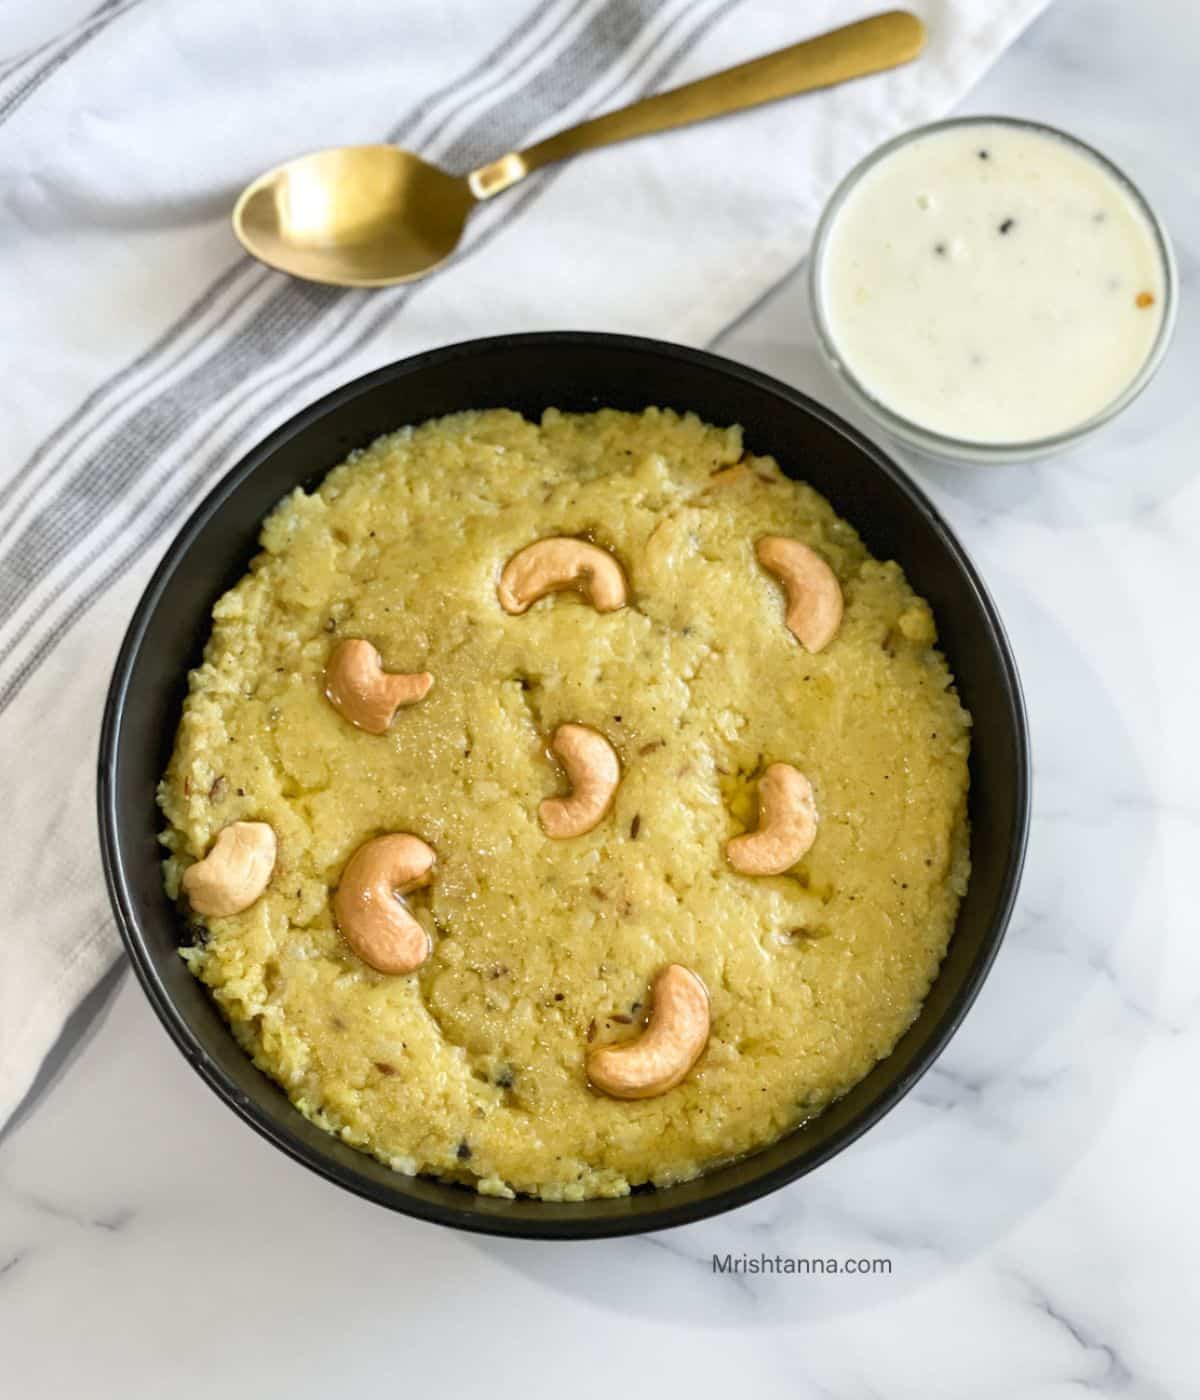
(369, 216)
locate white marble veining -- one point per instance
(1036, 1193)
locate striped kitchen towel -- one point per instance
(143, 354)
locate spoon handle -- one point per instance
(869, 46)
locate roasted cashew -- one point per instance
(235, 871)
(593, 771)
(787, 824)
(674, 1039)
(728, 476)
(552, 565)
(360, 690)
(368, 907)
(814, 596)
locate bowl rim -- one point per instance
(470, 1216)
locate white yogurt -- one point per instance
(991, 283)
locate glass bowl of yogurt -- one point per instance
(991, 289)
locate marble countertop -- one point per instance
(1035, 1195)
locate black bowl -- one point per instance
(575, 372)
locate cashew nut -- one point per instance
(368, 906)
(672, 1042)
(235, 871)
(552, 565)
(787, 824)
(593, 771)
(360, 690)
(728, 476)
(814, 596)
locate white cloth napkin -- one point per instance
(142, 355)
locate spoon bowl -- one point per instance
(371, 216)
(354, 216)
